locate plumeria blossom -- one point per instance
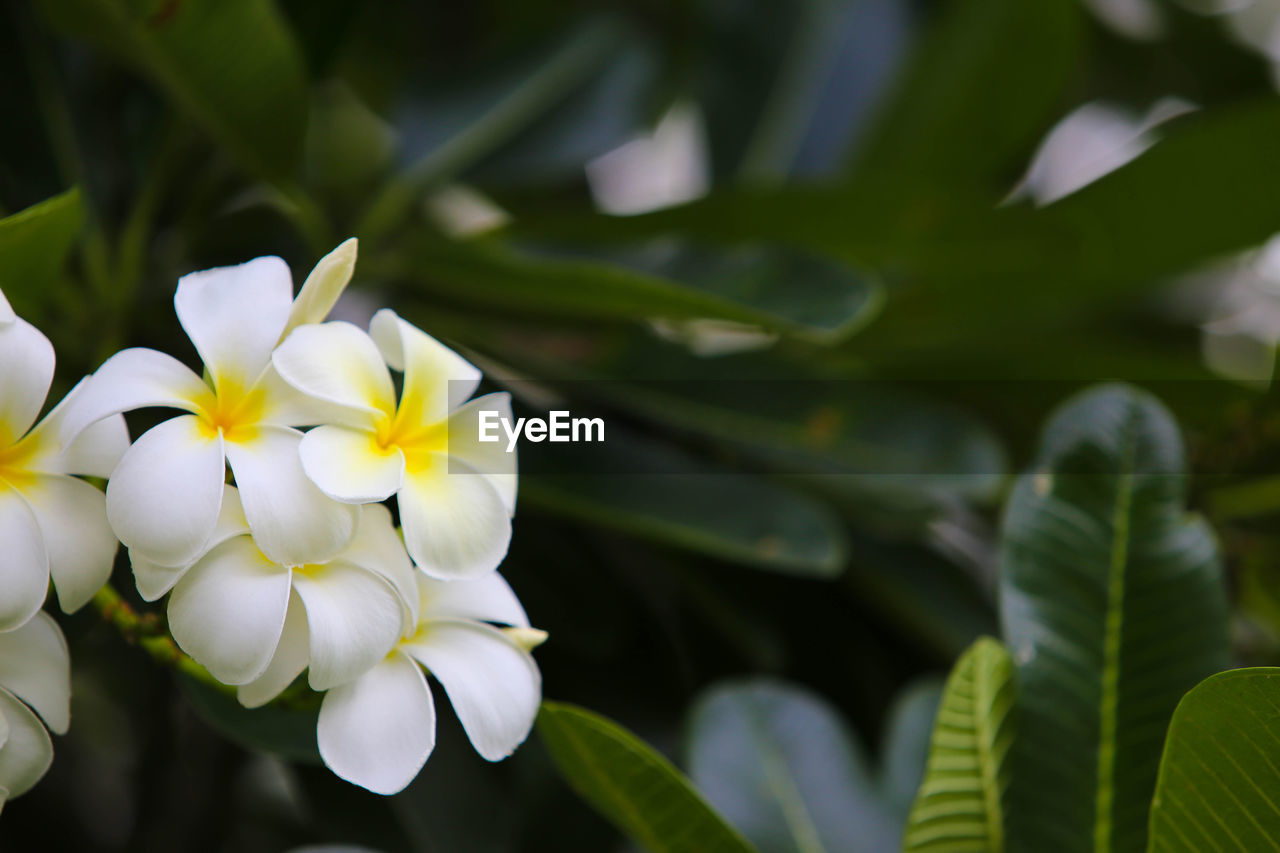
(35, 692)
(51, 523)
(257, 623)
(378, 730)
(164, 498)
(456, 495)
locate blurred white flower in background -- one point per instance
(51, 524)
(378, 730)
(164, 497)
(35, 693)
(1138, 19)
(666, 167)
(1092, 141)
(455, 494)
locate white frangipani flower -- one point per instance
(456, 495)
(35, 679)
(254, 622)
(163, 499)
(378, 730)
(51, 523)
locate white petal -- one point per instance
(284, 405)
(494, 685)
(26, 369)
(36, 667)
(455, 524)
(27, 752)
(24, 571)
(323, 286)
(490, 458)
(164, 496)
(95, 453)
(154, 580)
(79, 541)
(348, 465)
(6, 311)
(378, 731)
(378, 548)
(133, 379)
(288, 661)
(292, 521)
(354, 618)
(487, 598)
(337, 363)
(227, 612)
(234, 316)
(436, 379)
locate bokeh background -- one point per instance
(824, 266)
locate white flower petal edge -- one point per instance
(80, 544)
(436, 379)
(6, 312)
(349, 466)
(133, 379)
(323, 286)
(488, 598)
(27, 359)
(24, 571)
(339, 364)
(234, 315)
(378, 730)
(494, 685)
(455, 523)
(354, 618)
(228, 611)
(164, 496)
(490, 458)
(154, 579)
(27, 751)
(293, 522)
(95, 452)
(35, 666)
(377, 548)
(287, 662)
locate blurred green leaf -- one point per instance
(983, 84)
(788, 291)
(1218, 775)
(34, 244)
(230, 65)
(286, 732)
(1113, 605)
(961, 803)
(691, 504)
(905, 752)
(634, 787)
(778, 763)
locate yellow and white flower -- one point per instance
(378, 730)
(163, 499)
(456, 494)
(51, 523)
(35, 692)
(256, 623)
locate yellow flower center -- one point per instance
(418, 443)
(236, 411)
(14, 461)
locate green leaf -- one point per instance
(690, 504)
(34, 244)
(230, 65)
(780, 289)
(1219, 779)
(287, 732)
(984, 83)
(779, 764)
(1113, 606)
(632, 786)
(905, 752)
(961, 803)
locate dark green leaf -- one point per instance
(634, 787)
(778, 763)
(905, 751)
(230, 65)
(287, 732)
(1219, 777)
(33, 248)
(1113, 606)
(961, 804)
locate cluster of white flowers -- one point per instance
(273, 545)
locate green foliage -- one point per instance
(1113, 606)
(34, 245)
(1218, 777)
(962, 801)
(631, 785)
